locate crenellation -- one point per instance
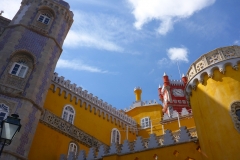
(183, 136)
(72, 89)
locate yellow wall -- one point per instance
(88, 121)
(154, 112)
(211, 107)
(185, 150)
(50, 144)
(173, 124)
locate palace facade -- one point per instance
(199, 117)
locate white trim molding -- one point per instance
(207, 63)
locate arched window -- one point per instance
(68, 114)
(4, 111)
(238, 113)
(72, 148)
(115, 136)
(44, 18)
(19, 69)
(235, 114)
(145, 122)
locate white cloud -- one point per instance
(78, 65)
(163, 62)
(236, 42)
(178, 54)
(166, 11)
(10, 7)
(77, 38)
(101, 31)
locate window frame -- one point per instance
(19, 69)
(69, 114)
(4, 110)
(45, 16)
(143, 122)
(115, 136)
(234, 107)
(69, 148)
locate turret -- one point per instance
(159, 92)
(30, 47)
(184, 79)
(138, 92)
(165, 80)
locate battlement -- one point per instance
(184, 135)
(141, 103)
(72, 89)
(176, 83)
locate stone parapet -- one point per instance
(95, 103)
(207, 63)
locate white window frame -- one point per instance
(115, 136)
(4, 109)
(143, 122)
(21, 66)
(68, 115)
(71, 148)
(43, 17)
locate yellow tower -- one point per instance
(138, 92)
(214, 92)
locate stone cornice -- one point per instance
(69, 130)
(96, 105)
(207, 63)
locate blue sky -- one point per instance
(116, 45)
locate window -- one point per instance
(44, 18)
(235, 114)
(68, 114)
(19, 69)
(72, 148)
(4, 110)
(145, 122)
(238, 114)
(115, 136)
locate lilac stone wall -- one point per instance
(2, 44)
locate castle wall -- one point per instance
(211, 103)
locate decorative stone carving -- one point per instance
(82, 155)
(236, 121)
(91, 154)
(184, 134)
(125, 147)
(101, 151)
(68, 129)
(153, 141)
(229, 53)
(71, 156)
(214, 58)
(207, 63)
(139, 144)
(200, 65)
(113, 148)
(168, 138)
